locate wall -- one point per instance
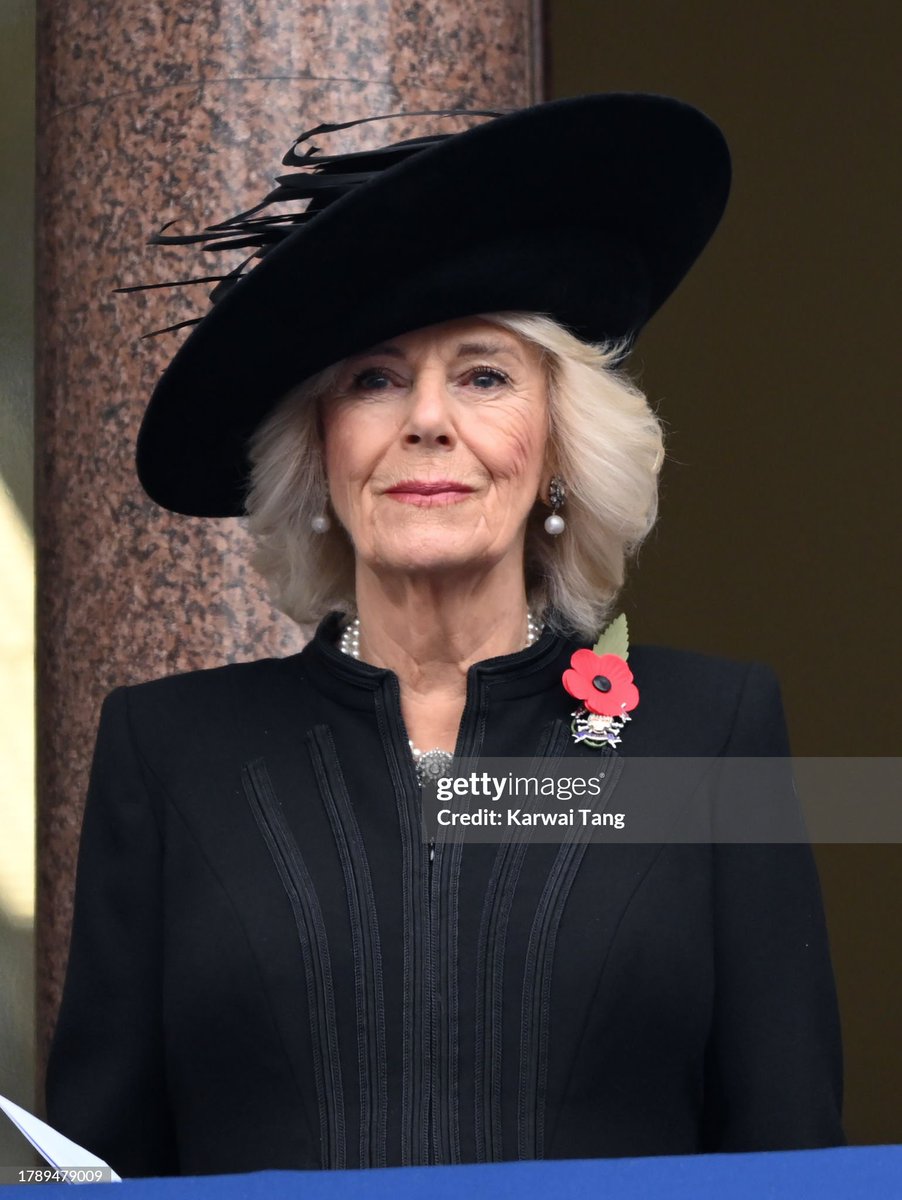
(774, 368)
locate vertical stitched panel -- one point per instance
(536, 1001)
(490, 953)
(295, 877)
(415, 1024)
(366, 948)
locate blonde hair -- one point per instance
(605, 443)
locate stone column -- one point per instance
(150, 110)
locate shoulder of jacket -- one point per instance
(703, 697)
(670, 661)
(205, 684)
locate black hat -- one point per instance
(589, 209)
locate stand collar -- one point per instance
(349, 681)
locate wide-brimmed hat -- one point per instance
(589, 209)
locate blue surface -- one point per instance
(869, 1172)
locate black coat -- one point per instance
(267, 970)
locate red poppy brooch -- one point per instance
(604, 683)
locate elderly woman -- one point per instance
(417, 399)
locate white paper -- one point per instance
(59, 1151)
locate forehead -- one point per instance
(460, 337)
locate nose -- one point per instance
(428, 417)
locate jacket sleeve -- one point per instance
(106, 1085)
(774, 1061)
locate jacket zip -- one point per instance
(428, 1151)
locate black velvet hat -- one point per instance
(589, 209)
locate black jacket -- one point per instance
(267, 970)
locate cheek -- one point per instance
(348, 445)
(336, 455)
(512, 445)
(340, 462)
(354, 443)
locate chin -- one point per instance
(441, 555)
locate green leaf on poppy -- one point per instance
(614, 639)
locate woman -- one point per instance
(416, 399)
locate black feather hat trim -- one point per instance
(589, 209)
(323, 179)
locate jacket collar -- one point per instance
(535, 669)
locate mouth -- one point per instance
(431, 493)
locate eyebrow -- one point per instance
(467, 348)
(464, 350)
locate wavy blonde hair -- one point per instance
(604, 441)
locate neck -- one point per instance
(431, 630)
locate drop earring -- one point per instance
(320, 523)
(557, 494)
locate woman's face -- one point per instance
(435, 446)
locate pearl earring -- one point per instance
(557, 494)
(320, 523)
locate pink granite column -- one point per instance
(149, 110)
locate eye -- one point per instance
(370, 379)
(486, 378)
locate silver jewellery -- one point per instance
(430, 764)
(557, 494)
(320, 523)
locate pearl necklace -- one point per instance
(430, 764)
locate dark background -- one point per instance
(775, 369)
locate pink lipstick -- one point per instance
(429, 493)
